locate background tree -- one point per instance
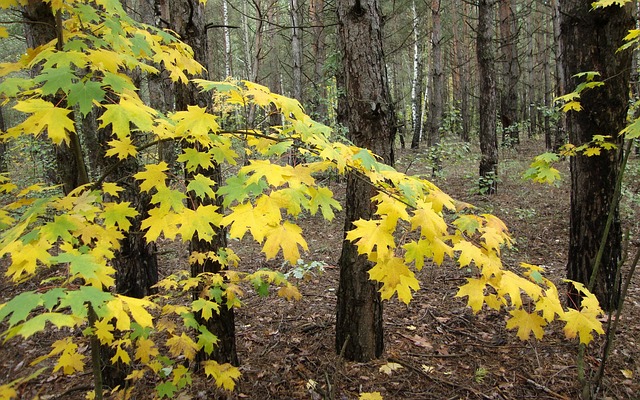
(590, 38)
(365, 108)
(487, 100)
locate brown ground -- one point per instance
(446, 352)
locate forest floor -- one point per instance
(286, 348)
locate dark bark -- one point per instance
(590, 39)
(510, 72)
(188, 20)
(365, 108)
(487, 106)
(41, 27)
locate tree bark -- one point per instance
(365, 108)
(590, 38)
(418, 80)
(510, 73)
(187, 19)
(436, 98)
(487, 106)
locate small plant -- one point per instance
(480, 374)
(303, 270)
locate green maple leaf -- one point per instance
(56, 79)
(322, 198)
(87, 267)
(367, 159)
(118, 214)
(206, 339)
(117, 81)
(194, 159)
(202, 186)
(166, 389)
(199, 220)
(237, 188)
(38, 323)
(62, 227)
(206, 307)
(20, 306)
(76, 300)
(168, 199)
(130, 110)
(85, 94)
(417, 252)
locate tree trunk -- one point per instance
(318, 46)
(436, 98)
(590, 39)
(510, 73)
(487, 106)
(296, 49)
(41, 27)
(418, 81)
(187, 19)
(365, 108)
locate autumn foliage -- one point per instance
(77, 235)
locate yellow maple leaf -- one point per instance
(549, 304)
(116, 310)
(474, 289)
(225, 375)
(508, 283)
(429, 221)
(121, 148)
(153, 176)
(70, 361)
(592, 151)
(368, 234)
(130, 110)
(182, 345)
(160, 222)
(195, 124)
(145, 350)
(286, 237)
(103, 331)
(526, 324)
(45, 115)
(138, 310)
(395, 277)
(274, 174)
(581, 324)
(121, 354)
(289, 292)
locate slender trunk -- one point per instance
(487, 105)
(187, 19)
(418, 79)
(296, 48)
(319, 100)
(510, 73)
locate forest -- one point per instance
(319, 199)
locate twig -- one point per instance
(436, 379)
(543, 388)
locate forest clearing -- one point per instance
(349, 199)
